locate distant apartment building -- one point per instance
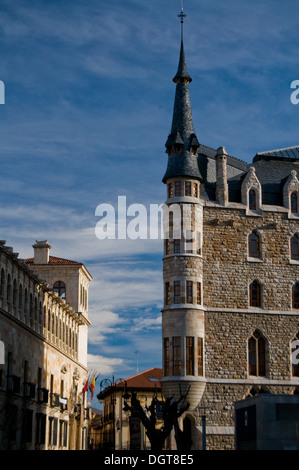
(43, 333)
(120, 429)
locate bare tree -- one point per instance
(171, 412)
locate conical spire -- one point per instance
(182, 143)
(182, 74)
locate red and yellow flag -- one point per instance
(92, 386)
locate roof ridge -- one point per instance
(279, 150)
(143, 372)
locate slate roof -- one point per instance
(289, 153)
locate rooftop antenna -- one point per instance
(182, 15)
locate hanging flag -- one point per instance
(85, 388)
(92, 386)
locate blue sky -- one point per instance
(88, 108)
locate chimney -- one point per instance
(41, 252)
(221, 177)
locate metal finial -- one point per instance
(182, 15)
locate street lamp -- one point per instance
(203, 421)
(106, 383)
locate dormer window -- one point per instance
(178, 148)
(294, 203)
(59, 288)
(252, 200)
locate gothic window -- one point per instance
(252, 199)
(176, 354)
(59, 288)
(20, 297)
(2, 282)
(9, 288)
(295, 247)
(254, 245)
(189, 355)
(255, 294)
(200, 356)
(295, 296)
(177, 292)
(15, 293)
(294, 202)
(187, 188)
(257, 355)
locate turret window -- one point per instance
(195, 190)
(189, 292)
(169, 190)
(189, 355)
(198, 293)
(187, 188)
(176, 354)
(178, 188)
(166, 356)
(176, 245)
(200, 356)
(177, 292)
(167, 293)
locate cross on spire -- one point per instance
(182, 15)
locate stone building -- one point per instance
(44, 333)
(230, 273)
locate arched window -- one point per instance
(295, 296)
(20, 297)
(255, 294)
(252, 200)
(257, 355)
(295, 247)
(254, 249)
(15, 293)
(9, 288)
(294, 203)
(59, 288)
(2, 282)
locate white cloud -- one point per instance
(103, 365)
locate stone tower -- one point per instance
(182, 315)
(230, 320)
